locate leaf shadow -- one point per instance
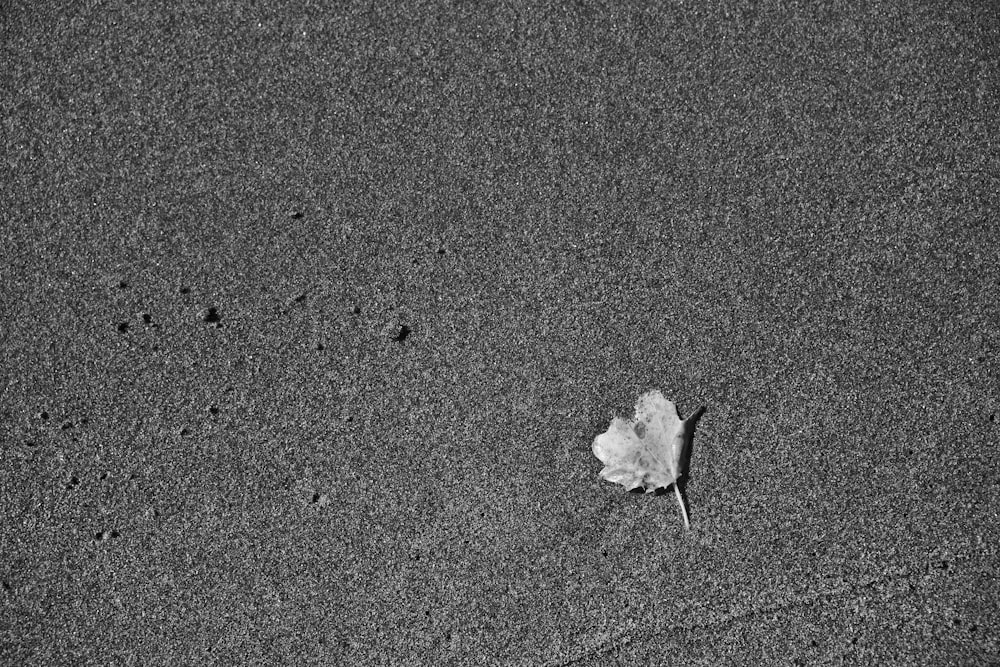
(690, 426)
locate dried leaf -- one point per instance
(650, 451)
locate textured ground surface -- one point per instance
(787, 215)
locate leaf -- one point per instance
(650, 451)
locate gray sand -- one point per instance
(444, 249)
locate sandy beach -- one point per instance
(310, 316)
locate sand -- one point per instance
(310, 316)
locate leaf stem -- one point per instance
(680, 501)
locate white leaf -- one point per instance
(651, 450)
